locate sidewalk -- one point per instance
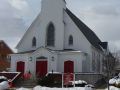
(102, 87)
(15, 88)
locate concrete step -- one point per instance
(27, 86)
(27, 83)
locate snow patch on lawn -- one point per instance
(112, 81)
(118, 81)
(23, 88)
(47, 88)
(112, 88)
(2, 77)
(4, 85)
(78, 82)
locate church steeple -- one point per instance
(53, 5)
(52, 11)
(54, 1)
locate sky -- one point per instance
(102, 16)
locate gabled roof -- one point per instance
(6, 45)
(32, 51)
(25, 52)
(50, 50)
(87, 32)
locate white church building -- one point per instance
(57, 40)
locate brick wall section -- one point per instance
(11, 76)
(3, 60)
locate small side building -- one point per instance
(4, 50)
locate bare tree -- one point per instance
(107, 66)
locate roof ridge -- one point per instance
(6, 45)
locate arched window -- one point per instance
(70, 40)
(50, 35)
(34, 42)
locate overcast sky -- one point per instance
(102, 16)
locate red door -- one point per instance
(69, 66)
(41, 68)
(20, 67)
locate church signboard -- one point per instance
(68, 78)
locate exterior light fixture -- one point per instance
(85, 54)
(30, 58)
(52, 58)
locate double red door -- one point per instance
(20, 67)
(41, 68)
(69, 66)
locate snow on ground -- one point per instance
(89, 85)
(2, 77)
(113, 88)
(112, 81)
(79, 82)
(47, 88)
(4, 85)
(76, 88)
(23, 88)
(118, 81)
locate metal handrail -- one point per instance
(38, 73)
(20, 79)
(34, 78)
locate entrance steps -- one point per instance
(27, 83)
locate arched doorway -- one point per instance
(69, 66)
(41, 66)
(20, 67)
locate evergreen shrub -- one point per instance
(45, 81)
(57, 81)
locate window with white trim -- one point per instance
(34, 42)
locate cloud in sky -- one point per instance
(19, 4)
(104, 22)
(102, 16)
(105, 10)
(15, 16)
(12, 28)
